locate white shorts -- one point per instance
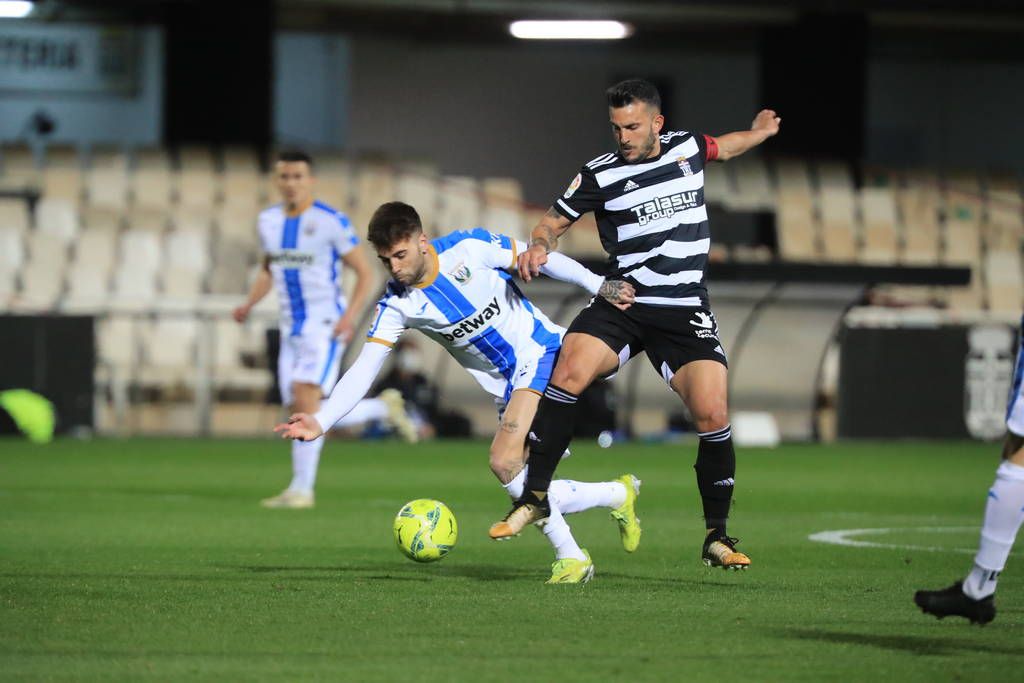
(1015, 408)
(308, 359)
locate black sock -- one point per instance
(716, 470)
(550, 435)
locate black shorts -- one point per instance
(671, 337)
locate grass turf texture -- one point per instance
(151, 559)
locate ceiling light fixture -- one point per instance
(15, 9)
(570, 30)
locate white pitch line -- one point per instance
(844, 537)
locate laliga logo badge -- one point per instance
(684, 166)
(573, 186)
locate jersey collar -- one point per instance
(433, 268)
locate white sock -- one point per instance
(305, 459)
(1004, 513)
(558, 532)
(515, 487)
(366, 410)
(556, 528)
(577, 496)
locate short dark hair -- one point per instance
(633, 90)
(295, 155)
(392, 222)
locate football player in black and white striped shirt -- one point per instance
(648, 200)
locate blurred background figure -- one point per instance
(407, 375)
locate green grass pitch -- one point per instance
(151, 560)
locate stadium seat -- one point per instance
(834, 176)
(228, 349)
(181, 283)
(188, 250)
(8, 286)
(57, 218)
(19, 167)
(508, 189)
(963, 231)
(87, 287)
(96, 250)
(796, 227)
(718, 186)
(101, 218)
(1004, 281)
(237, 222)
(582, 240)
(117, 344)
(753, 186)
(14, 214)
(506, 218)
(134, 286)
(12, 248)
(41, 286)
(417, 185)
(240, 160)
(460, 204)
(168, 351)
(838, 225)
(194, 217)
(145, 218)
(374, 185)
(335, 178)
(63, 183)
(107, 188)
(245, 191)
(140, 250)
(918, 201)
(792, 177)
(197, 188)
(232, 261)
(878, 210)
(151, 188)
(45, 251)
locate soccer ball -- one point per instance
(425, 530)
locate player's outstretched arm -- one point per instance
(349, 391)
(543, 241)
(765, 125)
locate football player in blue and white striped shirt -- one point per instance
(458, 291)
(306, 244)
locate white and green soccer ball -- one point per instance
(425, 530)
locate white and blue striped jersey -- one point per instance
(304, 253)
(472, 308)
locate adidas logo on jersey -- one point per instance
(630, 186)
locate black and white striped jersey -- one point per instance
(651, 217)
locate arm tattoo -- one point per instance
(510, 426)
(612, 290)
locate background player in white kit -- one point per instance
(457, 290)
(303, 240)
(974, 596)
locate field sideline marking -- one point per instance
(844, 537)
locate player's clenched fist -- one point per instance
(531, 260)
(300, 427)
(768, 121)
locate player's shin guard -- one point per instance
(716, 470)
(550, 435)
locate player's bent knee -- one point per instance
(711, 420)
